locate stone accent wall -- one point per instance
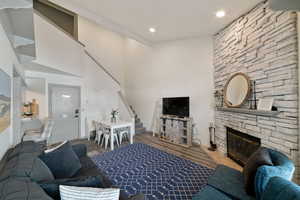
(262, 44)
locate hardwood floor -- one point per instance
(221, 159)
(197, 154)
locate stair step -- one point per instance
(140, 130)
(139, 125)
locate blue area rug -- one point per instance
(140, 168)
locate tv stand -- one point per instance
(176, 130)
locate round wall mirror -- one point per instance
(237, 90)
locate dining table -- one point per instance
(119, 125)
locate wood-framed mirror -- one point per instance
(237, 90)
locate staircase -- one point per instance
(16, 17)
(139, 127)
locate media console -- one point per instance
(176, 130)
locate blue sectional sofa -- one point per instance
(271, 182)
(19, 169)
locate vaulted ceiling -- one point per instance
(173, 19)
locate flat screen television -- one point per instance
(177, 106)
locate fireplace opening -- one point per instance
(241, 146)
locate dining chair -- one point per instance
(44, 136)
(89, 127)
(99, 132)
(123, 134)
(106, 135)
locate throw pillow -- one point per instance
(82, 193)
(257, 159)
(52, 187)
(40, 172)
(63, 162)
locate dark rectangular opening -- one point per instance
(241, 146)
(63, 18)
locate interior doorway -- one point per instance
(64, 109)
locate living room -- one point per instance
(123, 100)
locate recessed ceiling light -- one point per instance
(220, 14)
(66, 96)
(152, 30)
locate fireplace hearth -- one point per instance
(241, 146)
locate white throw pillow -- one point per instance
(57, 147)
(85, 193)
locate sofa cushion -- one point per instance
(63, 162)
(3, 162)
(26, 147)
(230, 182)
(282, 167)
(21, 189)
(210, 193)
(52, 187)
(257, 159)
(27, 165)
(279, 188)
(80, 150)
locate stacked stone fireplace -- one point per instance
(263, 45)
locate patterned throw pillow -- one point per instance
(85, 193)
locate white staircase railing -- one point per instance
(124, 104)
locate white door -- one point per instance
(64, 109)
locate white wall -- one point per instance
(172, 69)
(56, 49)
(101, 92)
(106, 46)
(7, 61)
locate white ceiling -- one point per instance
(173, 19)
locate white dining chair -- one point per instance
(89, 125)
(106, 135)
(44, 136)
(99, 132)
(123, 134)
